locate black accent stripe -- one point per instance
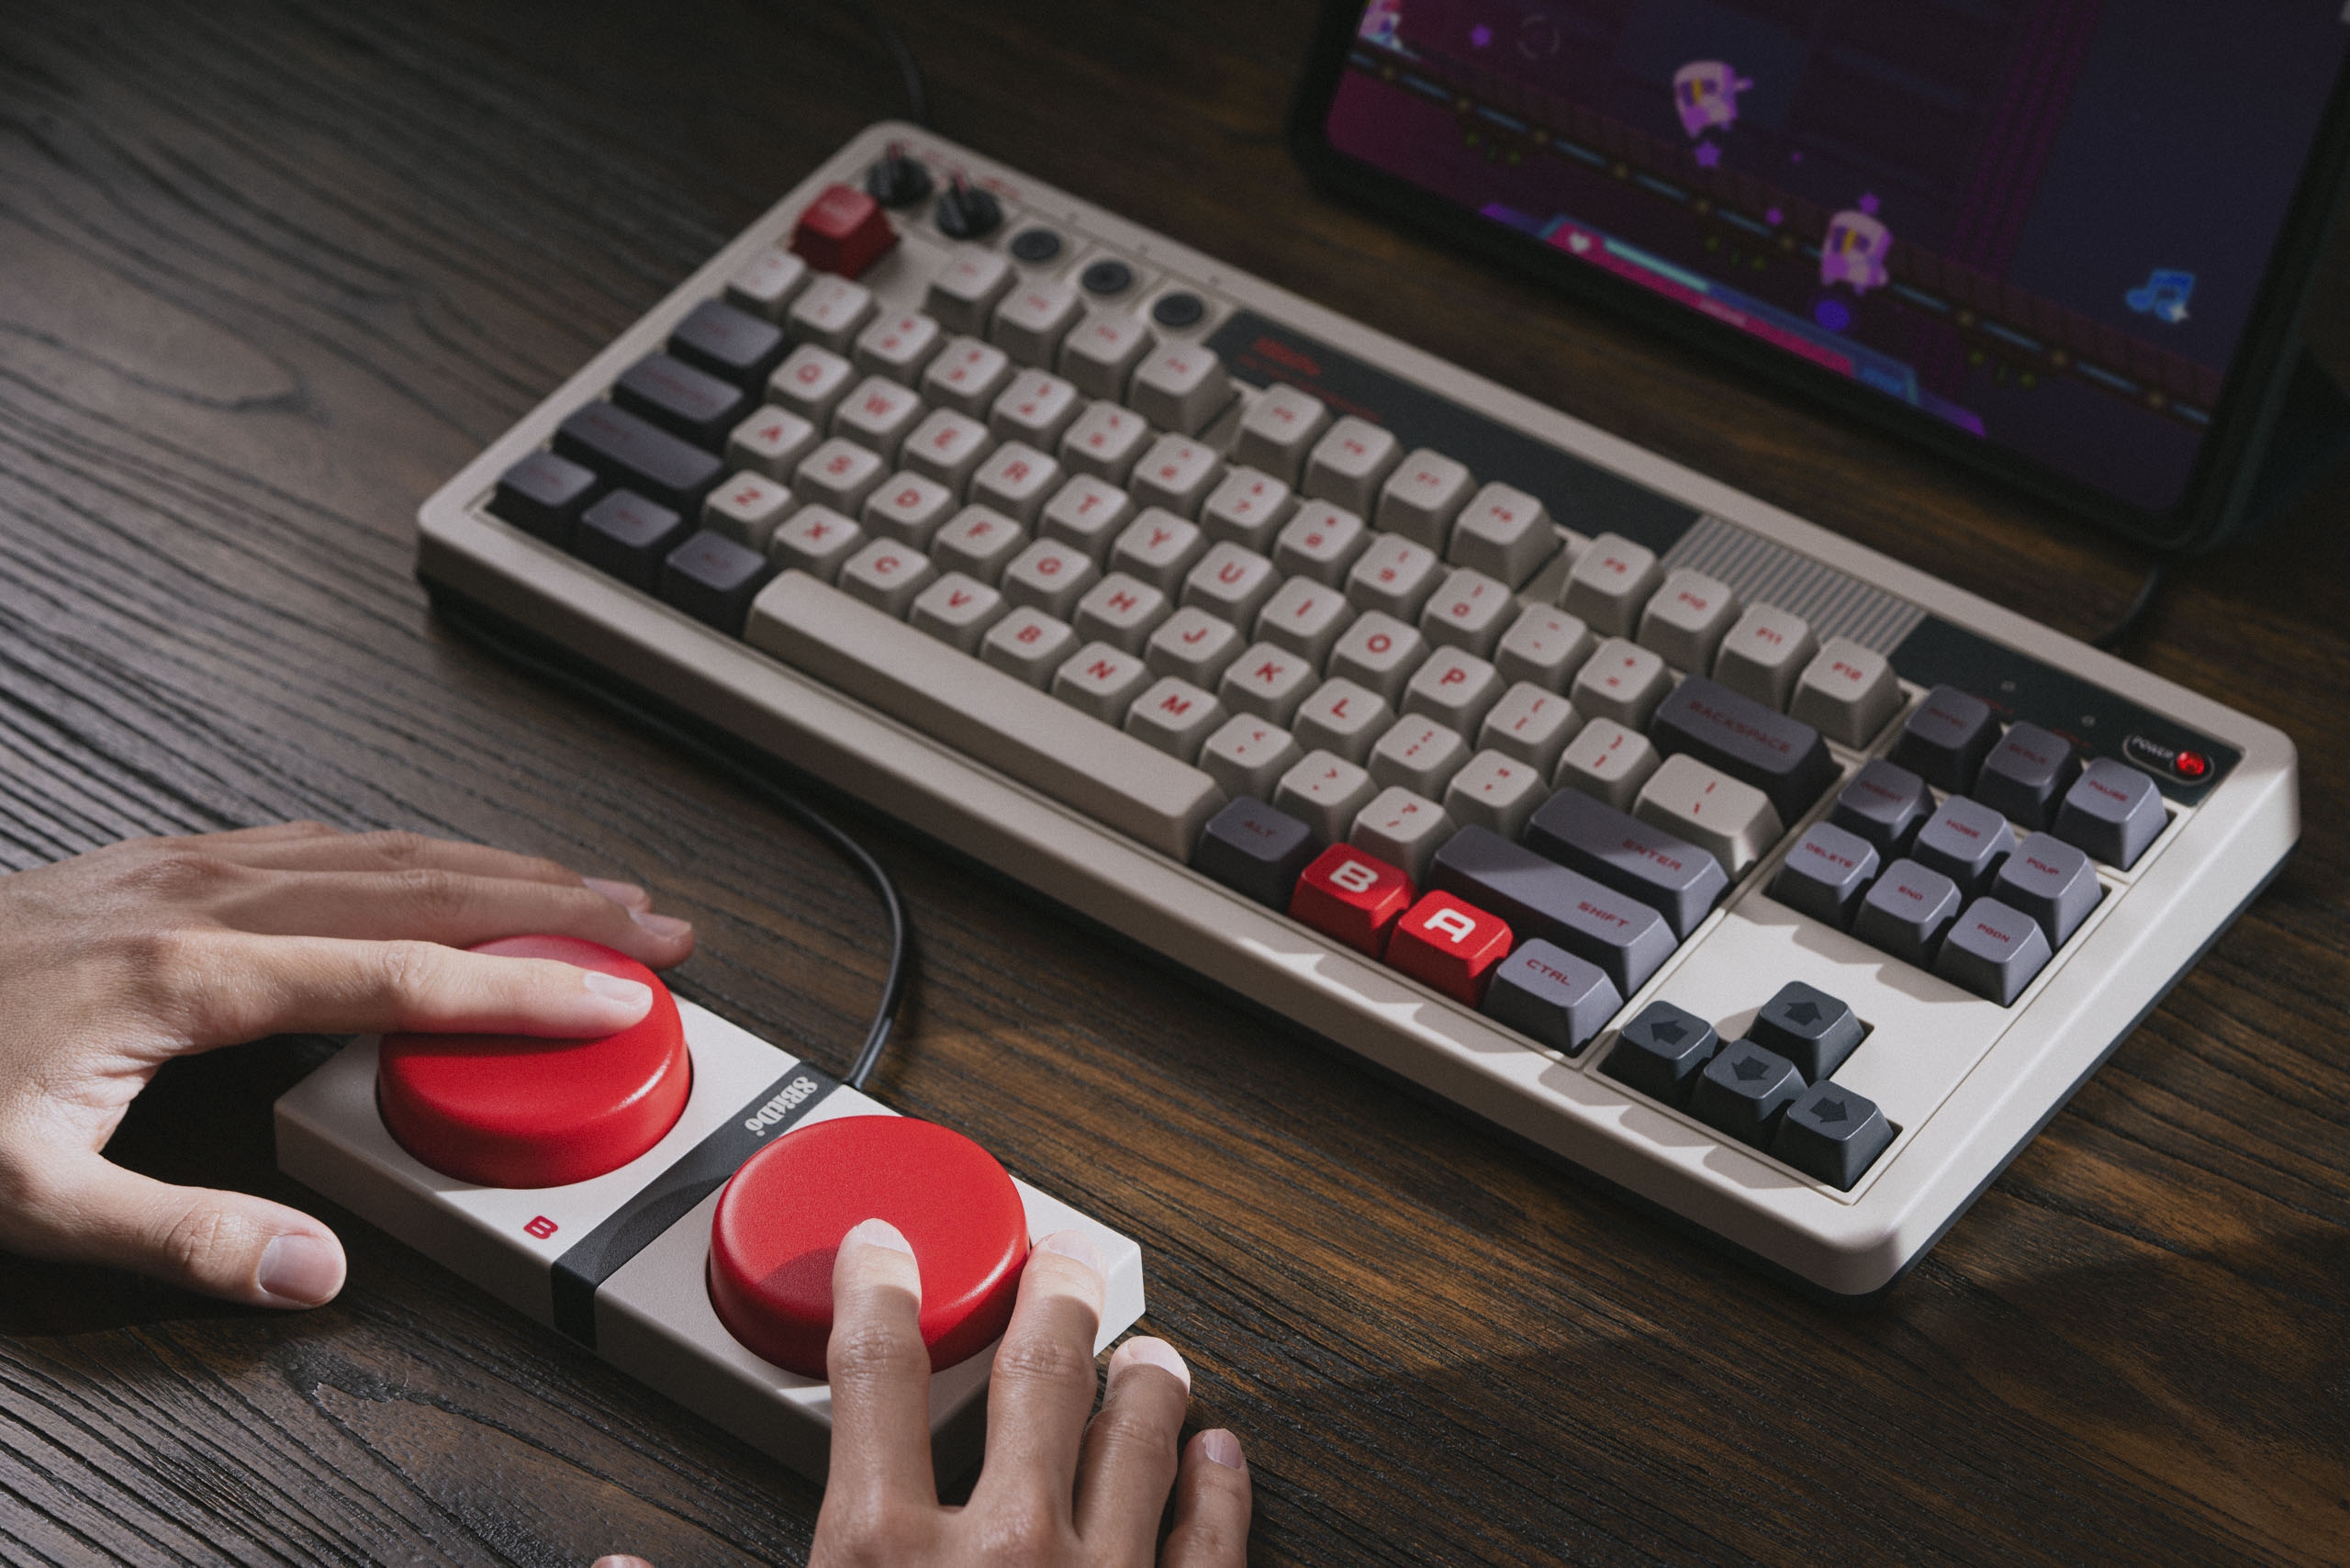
(700, 1171)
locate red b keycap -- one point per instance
(1449, 945)
(517, 1111)
(780, 1220)
(1351, 897)
(843, 230)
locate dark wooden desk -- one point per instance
(270, 271)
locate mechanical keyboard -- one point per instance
(1766, 880)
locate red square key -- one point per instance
(1449, 945)
(1351, 897)
(843, 230)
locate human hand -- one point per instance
(116, 961)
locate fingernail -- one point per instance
(662, 925)
(628, 895)
(1074, 1244)
(1146, 1351)
(300, 1269)
(878, 1233)
(1220, 1447)
(615, 988)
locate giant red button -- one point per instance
(515, 1111)
(782, 1217)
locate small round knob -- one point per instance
(967, 212)
(897, 179)
(780, 1220)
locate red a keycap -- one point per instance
(1449, 945)
(843, 230)
(1351, 897)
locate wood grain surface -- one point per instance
(270, 270)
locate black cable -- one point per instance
(893, 983)
(2132, 619)
(902, 57)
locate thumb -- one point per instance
(230, 1245)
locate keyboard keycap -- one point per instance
(629, 536)
(1104, 441)
(1175, 716)
(1247, 756)
(1449, 946)
(1418, 754)
(1176, 472)
(1607, 762)
(1034, 409)
(877, 415)
(897, 345)
(1730, 820)
(680, 399)
(1544, 645)
(1846, 693)
(1470, 612)
(1947, 738)
(1783, 757)
(1160, 548)
(2052, 881)
(957, 610)
(1906, 913)
(2027, 774)
(1087, 512)
(2113, 811)
(1810, 1028)
(1246, 509)
(1826, 874)
(1763, 656)
(636, 454)
(1421, 497)
(1550, 996)
(1505, 533)
(908, 508)
(1350, 462)
(1530, 725)
(767, 282)
(1320, 541)
(840, 474)
(1541, 897)
(1014, 479)
(1032, 318)
(1101, 681)
(829, 311)
(713, 579)
(1048, 575)
(1256, 851)
(1344, 718)
(1833, 1134)
(1964, 841)
(1325, 791)
(1103, 351)
(962, 293)
(1494, 791)
(1268, 681)
(1305, 617)
(995, 718)
(1662, 1052)
(816, 540)
(1121, 611)
(1352, 897)
(1676, 879)
(968, 377)
(978, 541)
(1395, 576)
(1194, 645)
(1884, 804)
(1686, 620)
(1028, 646)
(811, 384)
(843, 230)
(746, 509)
(1994, 951)
(1402, 829)
(1610, 584)
(1180, 388)
(1454, 688)
(1380, 653)
(542, 495)
(887, 575)
(1622, 681)
(771, 442)
(1279, 429)
(1231, 582)
(1744, 1091)
(733, 344)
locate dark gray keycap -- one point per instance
(2050, 881)
(1107, 276)
(732, 344)
(680, 399)
(1743, 1090)
(630, 537)
(1034, 246)
(1662, 1052)
(1256, 851)
(2113, 811)
(1946, 739)
(2026, 774)
(1809, 1027)
(1538, 897)
(634, 451)
(1994, 951)
(1884, 804)
(1833, 1134)
(1783, 757)
(1906, 912)
(713, 579)
(1178, 310)
(1826, 874)
(1547, 993)
(1678, 880)
(1964, 841)
(542, 495)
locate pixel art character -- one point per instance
(2163, 295)
(1854, 250)
(1706, 91)
(1380, 21)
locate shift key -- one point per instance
(1538, 897)
(1680, 881)
(1783, 757)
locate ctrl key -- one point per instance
(1833, 1134)
(1550, 995)
(1662, 1052)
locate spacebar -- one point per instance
(992, 717)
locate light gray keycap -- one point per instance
(1320, 541)
(1621, 681)
(1194, 645)
(1993, 951)
(839, 474)
(1175, 716)
(1087, 512)
(1380, 652)
(1048, 575)
(1607, 762)
(766, 283)
(947, 446)
(962, 293)
(1246, 509)
(1350, 462)
(771, 442)
(1279, 429)
(1686, 620)
(1470, 612)
(1764, 654)
(1160, 548)
(1496, 791)
(1325, 792)
(1121, 611)
(898, 344)
(1454, 687)
(1846, 693)
(1247, 756)
(1503, 533)
(1610, 584)
(1266, 681)
(1545, 646)
(830, 312)
(747, 507)
(1404, 829)
(814, 540)
(877, 415)
(809, 383)
(909, 508)
(1176, 472)
(1028, 644)
(1180, 386)
(887, 575)
(966, 376)
(1393, 576)
(1014, 479)
(1344, 718)
(1032, 318)
(2053, 882)
(1421, 496)
(978, 541)
(2113, 811)
(1305, 617)
(1101, 681)
(957, 610)
(1733, 821)
(1231, 582)
(1530, 725)
(1104, 441)
(1034, 408)
(1101, 352)
(1419, 755)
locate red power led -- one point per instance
(2192, 765)
(782, 1218)
(517, 1111)
(843, 230)
(1351, 897)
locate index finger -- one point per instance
(879, 1370)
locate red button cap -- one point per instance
(1351, 897)
(514, 1111)
(1449, 945)
(843, 230)
(782, 1217)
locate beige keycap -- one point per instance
(1846, 693)
(1454, 687)
(1503, 533)
(771, 442)
(814, 540)
(1231, 582)
(1380, 652)
(967, 287)
(1321, 541)
(1325, 791)
(898, 344)
(1121, 611)
(1531, 725)
(1194, 646)
(830, 312)
(1088, 513)
(1607, 762)
(1246, 507)
(1279, 429)
(1158, 547)
(1176, 472)
(1687, 618)
(1180, 386)
(1014, 479)
(1035, 407)
(1344, 718)
(1305, 617)
(839, 474)
(957, 610)
(1498, 791)
(1394, 575)
(887, 575)
(1029, 644)
(1403, 828)
(1247, 756)
(908, 508)
(1610, 584)
(1419, 755)
(1733, 821)
(1622, 681)
(1101, 681)
(1266, 681)
(1350, 462)
(1764, 654)
(1175, 716)
(966, 376)
(1469, 610)
(1422, 496)
(877, 415)
(948, 446)
(978, 541)
(765, 285)
(1545, 646)
(746, 509)
(1032, 317)
(1048, 575)
(1104, 441)
(1101, 352)
(809, 383)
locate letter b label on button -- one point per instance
(1355, 877)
